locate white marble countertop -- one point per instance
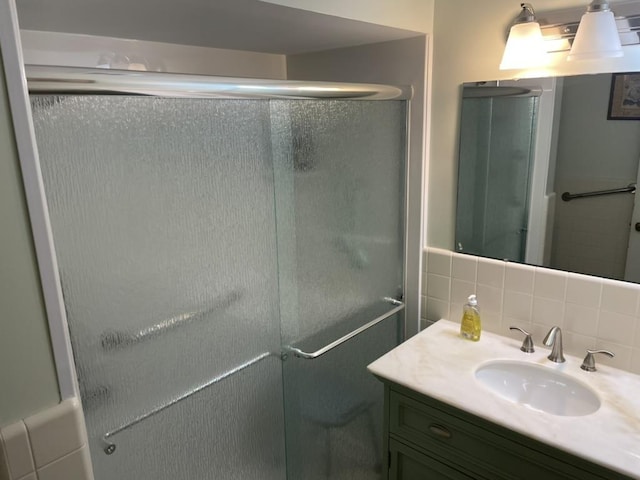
(440, 364)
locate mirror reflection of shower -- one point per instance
(576, 150)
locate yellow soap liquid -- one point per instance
(470, 327)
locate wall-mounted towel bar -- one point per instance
(399, 306)
(112, 340)
(109, 447)
(631, 188)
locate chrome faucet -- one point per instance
(554, 340)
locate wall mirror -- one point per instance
(547, 173)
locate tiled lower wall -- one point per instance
(51, 445)
(592, 312)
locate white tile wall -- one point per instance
(50, 445)
(592, 312)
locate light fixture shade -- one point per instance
(525, 47)
(597, 37)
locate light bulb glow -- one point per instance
(525, 47)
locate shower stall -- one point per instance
(496, 153)
(231, 254)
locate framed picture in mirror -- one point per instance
(624, 101)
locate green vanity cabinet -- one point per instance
(405, 463)
(430, 440)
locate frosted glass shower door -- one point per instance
(496, 151)
(164, 227)
(340, 211)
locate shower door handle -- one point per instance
(399, 306)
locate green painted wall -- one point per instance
(28, 381)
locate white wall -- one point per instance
(27, 374)
(416, 15)
(74, 50)
(591, 234)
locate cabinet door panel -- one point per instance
(480, 449)
(408, 464)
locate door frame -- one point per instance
(11, 47)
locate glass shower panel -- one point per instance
(164, 225)
(496, 151)
(339, 201)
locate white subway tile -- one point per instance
(455, 312)
(56, 431)
(550, 284)
(576, 344)
(4, 468)
(76, 466)
(436, 309)
(439, 262)
(508, 322)
(517, 305)
(635, 361)
(491, 321)
(547, 312)
(489, 298)
(593, 312)
(620, 297)
(519, 278)
(464, 267)
(538, 333)
(491, 272)
(460, 291)
(615, 327)
(580, 319)
(584, 290)
(15, 440)
(622, 354)
(438, 286)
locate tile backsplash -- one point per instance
(50, 445)
(593, 312)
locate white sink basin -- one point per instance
(538, 387)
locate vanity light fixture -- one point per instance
(597, 36)
(525, 46)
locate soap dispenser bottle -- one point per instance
(470, 327)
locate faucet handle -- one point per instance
(527, 343)
(589, 363)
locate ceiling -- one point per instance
(249, 25)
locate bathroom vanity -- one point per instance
(442, 422)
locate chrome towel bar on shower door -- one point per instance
(109, 447)
(399, 306)
(112, 340)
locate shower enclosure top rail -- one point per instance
(310, 356)
(75, 80)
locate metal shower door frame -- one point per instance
(61, 80)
